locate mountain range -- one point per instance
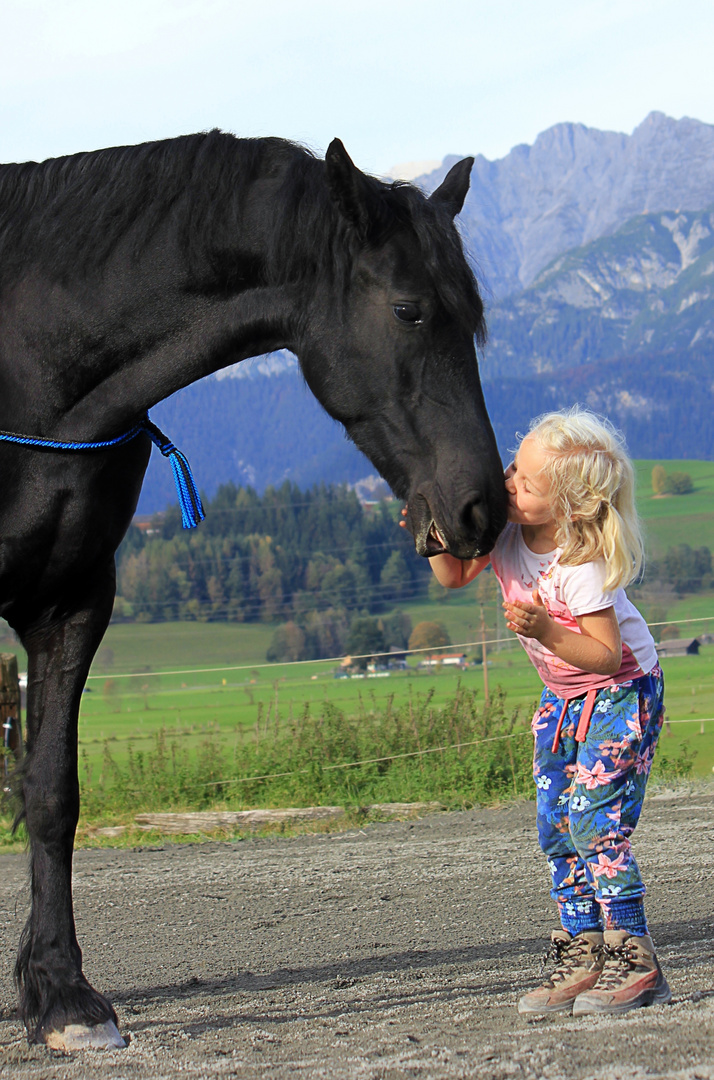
(574, 185)
(596, 252)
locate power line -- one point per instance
(253, 605)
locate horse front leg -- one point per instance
(58, 1005)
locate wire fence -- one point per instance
(410, 754)
(431, 650)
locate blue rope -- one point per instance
(192, 512)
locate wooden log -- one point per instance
(398, 809)
(207, 821)
(211, 821)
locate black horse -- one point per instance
(128, 273)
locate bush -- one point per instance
(676, 768)
(429, 635)
(659, 480)
(287, 643)
(366, 638)
(460, 754)
(678, 483)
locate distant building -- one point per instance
(148, 523)
(445, 659)
(679, 647)
(397, 659)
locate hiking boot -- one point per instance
(579, 962)
(630, 978)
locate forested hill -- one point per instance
(287, 555)
(252, 431)
(330, 575)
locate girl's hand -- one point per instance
(403, 523)
(528, 620)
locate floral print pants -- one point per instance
(589, 798)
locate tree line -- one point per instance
(684, 568)
(313, 558)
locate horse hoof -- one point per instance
(80, 1037)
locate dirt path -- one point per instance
(397, 951)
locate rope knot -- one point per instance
(192, 512)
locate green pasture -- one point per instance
(677, 519)
(192, 706)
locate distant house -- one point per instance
(447, 659)
(679, 647)
(147, 523)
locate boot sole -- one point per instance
(544, 1010)
(659, 995)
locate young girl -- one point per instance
(571, 544)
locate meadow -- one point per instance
(677, 519)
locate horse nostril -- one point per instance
(475, 514)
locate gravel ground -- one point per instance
(398, 950)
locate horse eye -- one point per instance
(408, 313)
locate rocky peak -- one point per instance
(574, 185)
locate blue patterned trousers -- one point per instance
(589, 797)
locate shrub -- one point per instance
(461, 754)
(429, 635)
(678, 483)
(659, 480)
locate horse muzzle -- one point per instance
(466, 533)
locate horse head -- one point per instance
(389, 351)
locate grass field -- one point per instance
(205, 702)
(677, 519)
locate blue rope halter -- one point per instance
(192, 512)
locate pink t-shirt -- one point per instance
(568, 591)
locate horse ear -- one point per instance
(451, 193)
(347, 186)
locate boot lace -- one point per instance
(566, 955)
(620, 961)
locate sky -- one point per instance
(397, 80)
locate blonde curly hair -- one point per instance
(592, 492)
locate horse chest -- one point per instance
(60, 518)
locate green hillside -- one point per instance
(677, 519)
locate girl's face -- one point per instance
(527, 486)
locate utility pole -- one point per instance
(484, 658)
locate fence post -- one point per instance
(484, 657)
(10, 712)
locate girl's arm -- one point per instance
(597, 648)
(454, 573)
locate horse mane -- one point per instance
(67, 215)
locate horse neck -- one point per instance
(201, 336)
(137, 329)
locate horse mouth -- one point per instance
(435, 542)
